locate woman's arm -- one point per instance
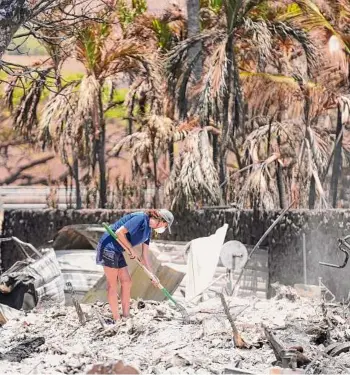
(124, 242)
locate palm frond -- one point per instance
(319, 148)
(122, 56)
(149, 84)
(344, 103)
(259, 141)
(314, 172)
(260, 36)
(85, 127)
(138, 86)
(10, 88)
(309, 16)
(185, 128)
(330, 9)
(194, 178)
(256, 187)
(57, 116)
(137, 142)
(213, 83)
(271, 92)
(88, 99)
(303, 38)
(178, 54)
(154, 134)
(158, 31)
(25, 115)
(89, 44)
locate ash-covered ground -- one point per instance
(155, 340)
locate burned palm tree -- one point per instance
(242, 37)
(296, 143)
(276, 146)
(161, 33)
(146, 146)
(43, 80)
(194, 178)
(56, 130)
(327, 22)
(105, 55)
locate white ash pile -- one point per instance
(154, 339)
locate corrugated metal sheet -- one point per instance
(45, 271)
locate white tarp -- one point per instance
(202, 261)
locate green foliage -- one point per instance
(3, 77)
(127, 14)
(213, 5)
(293, 8)
(118, 111)
(90, 43)
(139, 6)
(70, 77)
(120, 94)
(309, 16)
(163, 33)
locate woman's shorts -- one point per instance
(113, 259)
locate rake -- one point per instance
(166, 293)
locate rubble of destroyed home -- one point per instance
(53, 313)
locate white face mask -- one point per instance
(160, 230)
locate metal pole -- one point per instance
(304, 259)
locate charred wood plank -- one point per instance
(23, 350)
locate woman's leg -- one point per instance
(112, 289)
(125, 281)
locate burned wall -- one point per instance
(321, 229)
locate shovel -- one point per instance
(179, 307)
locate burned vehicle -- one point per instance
(33, 280)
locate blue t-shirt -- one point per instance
(139, 231)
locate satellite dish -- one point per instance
(234, 255)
